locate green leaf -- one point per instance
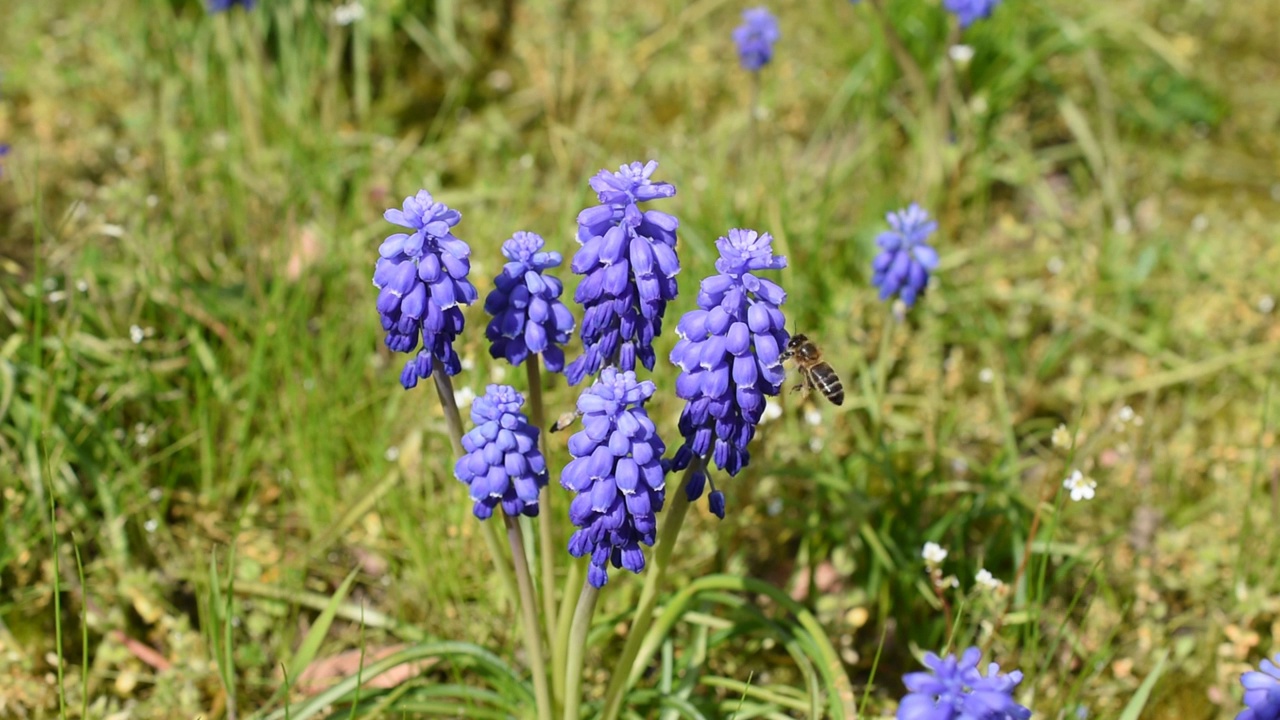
(311, 643)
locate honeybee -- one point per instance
(815, 371)
(565, 420)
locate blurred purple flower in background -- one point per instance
(755, 38)
(970, 11)
(422, 279)
(503, 464)
(628, 260)
(729, 358)
(528, 316)
(618, 473)
(4, 150)
(1262, 692)
(955, 690)
(903, 265)
(216, 6)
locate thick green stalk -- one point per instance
(578, 650)
(546, 543)
(667, 535)
(453, 419)
(529, 609)
(560, 650)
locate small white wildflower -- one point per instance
(1061, 437)
(1266, 304)
(152, 201)
(815, 444)
(142, 435)
(468, 364)
(49, 284)
(464, 397)
(1081, 487)
(950, 581)
(774, 508)
(813, 417)
(155, 494)
(82, 285)
(988, 581)
(392, 454)
(526, 161)
(772, 410)
(986, 375)
(933, 554)
(1200, 223)
(136, 334)
(348, 13)
(1126, 414)
(151, 525)
(1055, 266)
(961, 54)
(1123, 225)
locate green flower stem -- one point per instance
(529, 608)
(546, 543)
(560, 650)
(882, 362)
(453, 419)
(578, 649)
(667, 535)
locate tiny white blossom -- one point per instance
(1061, 437)
(348, 13)
(155, 494)
(1055, 265)
(464, 397)
(986, 375)
(961, 54)
(136, 334)
(933, 554)
(82, 285)
(1266, 304)
(772, 410)
(1081, 487)
(392, 454)
(150, 525)
(813, 417)
(987, 580)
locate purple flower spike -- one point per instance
(216, 6)
(629, 265)
(729, 359)
(503, 466)
(422, 279)
(1262, 692)
(618, 474)
(528, 316)
(755, 38)
(4, 150)
(970, 11)
(955, 690)
(903, 265)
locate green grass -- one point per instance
(1110, 215)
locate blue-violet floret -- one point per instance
(954, 689)
(618, 474)
(755, 38)
(729, 355)
(1262, 691)
(628, 262)
(503, 465)
(528, 315)
(422, 279)
(905, 260)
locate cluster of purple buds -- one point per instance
(503, 465)
(969, 12)
(729, 355)
(628, 260)
(528, 316)
(216, 6)
(1262, 692)
(618, 474)
(422, 280)
(903, 265)
(954, 689)
(755, 38)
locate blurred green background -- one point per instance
(192, 368)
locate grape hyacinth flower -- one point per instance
(628, 260)
(217, 6)
(528, 316)
(4, 150)
(755, 38)
(618, 473)
(1262, 692)
(970, 11)
(903, 265)
(502, 465)
(422, 279)
(955, 690)
(729, 355)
